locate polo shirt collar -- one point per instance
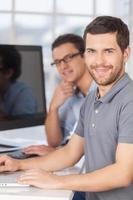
(115, 89)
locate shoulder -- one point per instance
(19, 86)
(126, 95)
(16, 89)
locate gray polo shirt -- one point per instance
(104, 123)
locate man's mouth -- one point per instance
(102, 71)
(67, 72)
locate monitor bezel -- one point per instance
(33, 120)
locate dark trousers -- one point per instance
(79, 196)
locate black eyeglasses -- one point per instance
(66, 59)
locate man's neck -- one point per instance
(84, 83)
(103, 90)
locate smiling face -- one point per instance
(104, 58)
(73, 70)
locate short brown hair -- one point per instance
(74, 39)
(109, 24)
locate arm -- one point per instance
(119, 174)
(54, 161)
(52, 125)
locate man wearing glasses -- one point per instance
(68, 56)
(105, 128)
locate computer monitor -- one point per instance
(32, 75)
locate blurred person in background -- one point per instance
(105, 128)
(16, 97)
(76, 83)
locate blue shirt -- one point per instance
(19, 100)
(69, 112)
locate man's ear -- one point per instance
(127, 52)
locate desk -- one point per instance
(24, 136)
(32, 193)
(34, 134)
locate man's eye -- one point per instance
(69, 57)
(57, 62)
(109, 51)
(90, 51)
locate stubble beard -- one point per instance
(112, 78)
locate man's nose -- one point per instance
(63, 64)
(99, 59)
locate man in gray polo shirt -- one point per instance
(105, 127)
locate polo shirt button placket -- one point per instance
(93, 125)
(96, 111)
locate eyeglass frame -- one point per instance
(66, 58)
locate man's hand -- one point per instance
(38, 150)
(63, 91)
(39, 178)
(8, 164)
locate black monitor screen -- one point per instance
(22, 88)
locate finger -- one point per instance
(27, 181)
(3, 158)
(32, 182)
(27, 148)
(28, 152)
(30, 171)
(4, 168)
(25, 177)
(29, 176)
(34, 148)
(68, 89)
(68, 94)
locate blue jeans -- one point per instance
(79, 196)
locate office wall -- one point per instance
(40, 21)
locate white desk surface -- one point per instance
(24, 136)
(33, 135)
(32, 193)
